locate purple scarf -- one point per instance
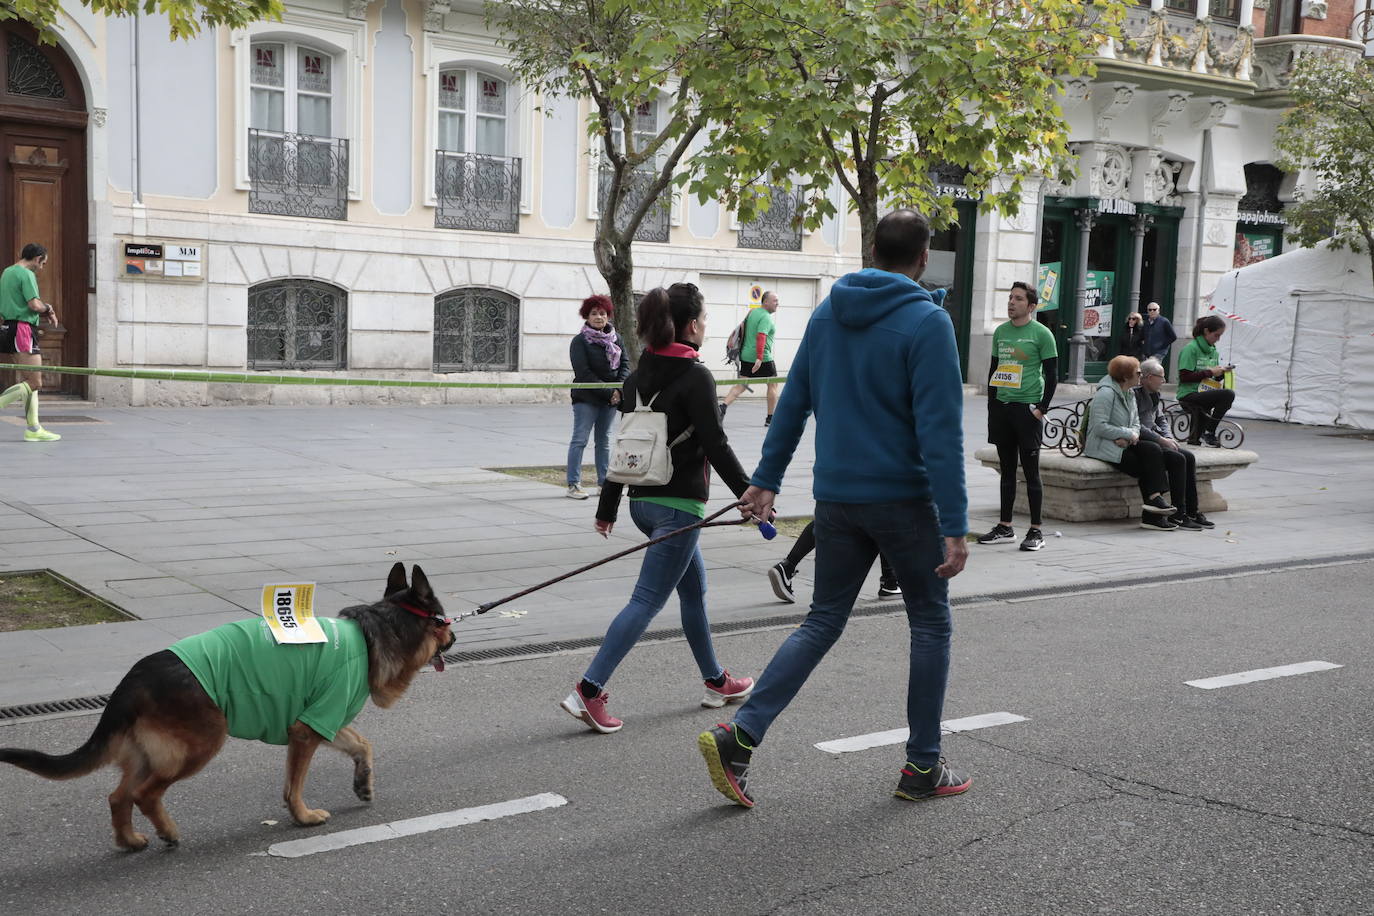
(605, 339)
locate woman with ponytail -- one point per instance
(672, 325)
(1200, 375)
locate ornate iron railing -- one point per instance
(297, 324)
(475, 191)
(1063, 427)
(635, 187)
(297, 175)
(778, 229)
(475, 330)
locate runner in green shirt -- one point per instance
(20, 308)
(1021, 380)
(1200, 375)
(756, 353)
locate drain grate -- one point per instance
(51, 419)
(82, 704)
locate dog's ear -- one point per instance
(419, 585)
(397, 580)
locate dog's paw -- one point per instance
(362, 785)
(134, 842)
(170, 839)
(311, 817)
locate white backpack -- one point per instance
(642, 455)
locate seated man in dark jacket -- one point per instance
(1181, 463)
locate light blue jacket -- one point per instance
(1112, 415)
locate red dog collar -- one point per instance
(438, 621)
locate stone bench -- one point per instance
(1086, 489)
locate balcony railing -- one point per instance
(1276, 58)
(635, 187)
(476, 191)
(778, 229)
(297, 175)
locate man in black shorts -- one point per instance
(20, 307)
(756, 352)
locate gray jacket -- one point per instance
(1111, 416)
(1153, 424)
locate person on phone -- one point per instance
(1200, 376)
(1021, 381)
(20, 307)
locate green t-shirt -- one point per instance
(1018, 377)
(1196, 354)
(758, 322)
(682, 504)
(263, 687)
(17, 286)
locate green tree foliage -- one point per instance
(875, 94)
(186, 17)
(1329, 132)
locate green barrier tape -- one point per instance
(259, 378)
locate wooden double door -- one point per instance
(43, 190)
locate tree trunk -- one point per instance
(868, 210)
(616, 264)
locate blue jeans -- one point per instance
(585, 417)
(674, 564)
(848, 537)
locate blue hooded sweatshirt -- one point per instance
(879, 368)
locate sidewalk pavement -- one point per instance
(180, 516)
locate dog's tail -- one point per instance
(100, 748)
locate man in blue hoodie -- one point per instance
(879, 368)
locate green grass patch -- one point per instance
(40, 600)
(554, 475)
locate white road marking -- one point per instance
(899, 735)
(1260, 674)
(443, 821)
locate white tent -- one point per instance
(1300, 330)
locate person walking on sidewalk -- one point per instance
(780, 576)
(756, 353)
(879, 368)
(1021, 380)
(1200, 375)
(1114, 436)
(1159, 335)
(1180, 463)
(598, 355)
(20, 308)
(672, 323)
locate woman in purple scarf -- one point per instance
(598, 355)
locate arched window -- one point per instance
(476, 330)
(297, 324)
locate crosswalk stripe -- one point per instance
(1260, 674)
(293, 849)
(899, 735)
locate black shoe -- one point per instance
(768, 421)
(1034, 540)
(935, 781)
(1202, 521)
(889, 589)
(997, 535)
(1210, 440)
(728, 761)
(1155, 522)
(1157, 505)
(1180, 520)
(781, 580)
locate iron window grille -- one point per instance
(297, 174)
(476, 191)
(778, 229)
(297, 324)
(30, 73)
(476, 330)
(634, 188)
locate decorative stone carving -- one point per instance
(1275, 58)
(1165, 182)
(1208, 113)
(1216, 234)
(1314, 9)
(1144, 41)
(1166, 111)
(1238, 60)
(1077, 89)
(98, 116)
(357, 9)
(1110, 177)
(1261, 4)
(1108, 102)
(435, 11)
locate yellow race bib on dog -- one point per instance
(290, 615)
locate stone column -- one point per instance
(1078, 343)
(1247, 13)
(1140, 224)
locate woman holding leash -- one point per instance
(672, 324)
(598, 355)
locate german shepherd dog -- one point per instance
(160, 726)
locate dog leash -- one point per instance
(765, 529)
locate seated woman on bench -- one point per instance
(1113, 436)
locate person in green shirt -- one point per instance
(1200, 375)
(756, 353)
(20, 308)
(1021, 380)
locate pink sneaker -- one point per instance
(733, 690)
(592, 711)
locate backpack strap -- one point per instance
(648, 405)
